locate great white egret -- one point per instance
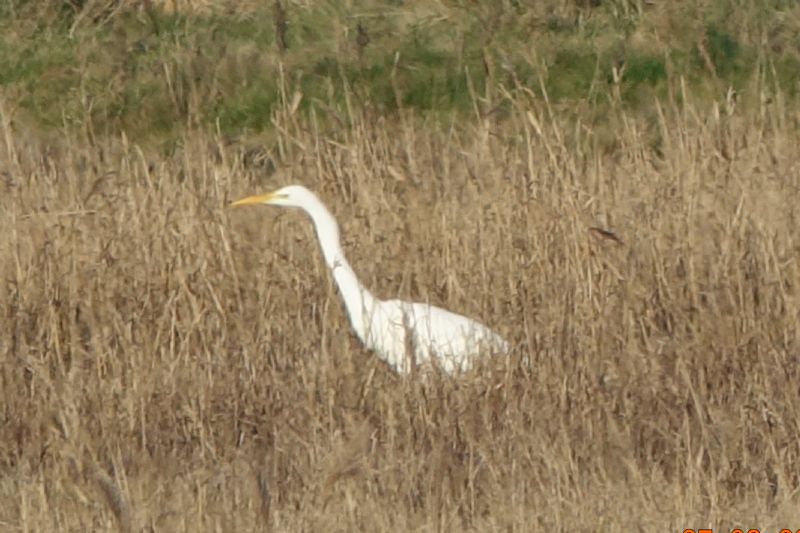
(401, 333)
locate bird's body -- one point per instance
(401, 333)
(434, 335)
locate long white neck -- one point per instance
(357, 299)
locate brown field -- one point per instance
(170, 364)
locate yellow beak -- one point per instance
(257, 199)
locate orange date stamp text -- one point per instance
(738, 530)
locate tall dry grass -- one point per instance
(170, 364)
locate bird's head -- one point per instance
(289, 196)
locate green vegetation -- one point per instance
(149, 72)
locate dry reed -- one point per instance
(168, 364)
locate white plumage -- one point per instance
(400, 333)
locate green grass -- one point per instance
(572, 74)
(250, 109)
(149, 73)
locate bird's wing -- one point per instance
(452, 338)
(398, 330)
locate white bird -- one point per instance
(401, 333)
